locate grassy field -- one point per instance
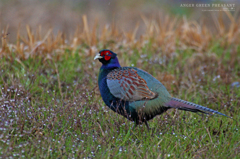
(50, 105)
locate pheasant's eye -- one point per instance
(107, 55)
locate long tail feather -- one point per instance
(188, 106)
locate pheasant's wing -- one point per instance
(126, 84)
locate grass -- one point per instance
(51, 106)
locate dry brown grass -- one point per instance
(167, 35)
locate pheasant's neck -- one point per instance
(114, 63)
(104, 72)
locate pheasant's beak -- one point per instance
(98, 56)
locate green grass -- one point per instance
(52, 108)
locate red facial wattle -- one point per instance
(107, 57)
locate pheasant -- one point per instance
(135, 94)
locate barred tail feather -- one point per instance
(188, 106)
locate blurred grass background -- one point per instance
(66, 15)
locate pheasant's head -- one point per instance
(108, 59)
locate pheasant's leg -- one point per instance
(147, 125)
(134, 126)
